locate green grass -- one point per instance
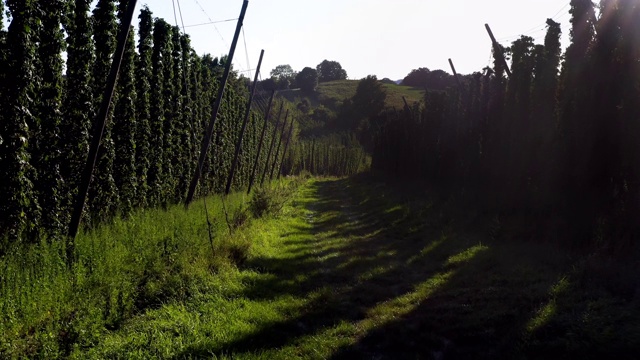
(123, 269)
(355, 269)
(396, 92)
(334, 92)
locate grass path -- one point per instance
(353, 269)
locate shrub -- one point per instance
(266, 201)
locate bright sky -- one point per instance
(381, 37)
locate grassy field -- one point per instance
(338, 91)
(355, 269)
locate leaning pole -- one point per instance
(206, 141)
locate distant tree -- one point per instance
(388, 81)
(417, 77)
(370, 97)
(284, 76)
(307, 80)
(330, 70)
(432, 80)
(361, 113)
(440, 80)
(269, 84)
(281, 71)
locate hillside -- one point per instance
(344, 89)
(321, 110)
(331, 94)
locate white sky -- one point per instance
(382, 37)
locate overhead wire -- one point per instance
(212, 22)
(246, 52)
(536, 28)
(175, 15)
(181, 19)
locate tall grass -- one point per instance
(122, 269)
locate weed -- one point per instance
(267, 201)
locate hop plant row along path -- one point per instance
(354, 268)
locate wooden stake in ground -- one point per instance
(498, 50)
(264, 130)
(206, 141)
(101, 121)
(244, 126)
(273, 141)
(286, 146)
(275, 160)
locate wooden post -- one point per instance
(406, 104)
(498, 50)
(99, 129)
(247, 114)
(312, 166)
(455, 74)
(286, 146)
(273, 141)
(275, 160)
(264, 129)
(206, 141)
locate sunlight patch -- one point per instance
(542, 316)
(404, 304)
(375, 272)
(466, 255)
(393, 209)
(426, 250)
(561, 286)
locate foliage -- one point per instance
(78, 98)
(46, 152)
(154, 129)
(369, 100)
(144, 72)
(124, 269)
(124, 128)
(307, 80)
(330, 71)
(425, 78)
(267, 201)
(336, 155)
(350, 267)
(283, 76)
(18, 208)
(538, 143)
(103, 199)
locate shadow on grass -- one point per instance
(413, 285)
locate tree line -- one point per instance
(162, 102)
(558, 139)
(283, 77)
